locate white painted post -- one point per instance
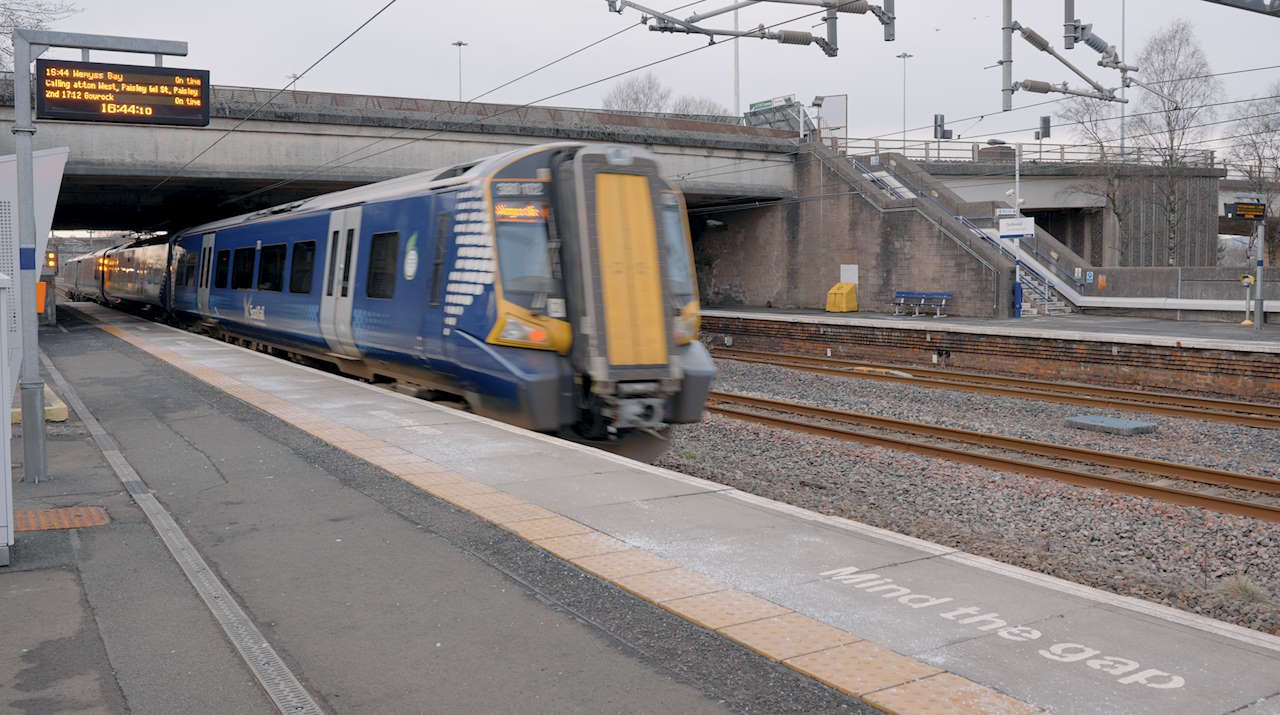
(6, 489)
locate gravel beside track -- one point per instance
(1221, 566)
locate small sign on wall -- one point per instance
(849, 273)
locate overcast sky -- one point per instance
(407, 50)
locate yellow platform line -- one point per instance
(841, 660)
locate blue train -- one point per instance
(551, 287)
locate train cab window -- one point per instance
(443, 221)
(224, 269)
(384, 248)
(189, 275)
(678, 268)
(271, 267)
(524, 256)
(304, 263)
(242, 268)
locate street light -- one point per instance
(460, 44)
(904, 57)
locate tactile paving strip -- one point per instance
(787, 636)
(618, 564)
(662, 586)
(946, 694)
(74, 517)
(861, 667)
(724, 608)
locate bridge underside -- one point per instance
(133, 203)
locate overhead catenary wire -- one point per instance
(331, 163)
(292, 82)
(1063, 99)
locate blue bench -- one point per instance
(920, 299)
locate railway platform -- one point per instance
(1219, 358)
(393, 554)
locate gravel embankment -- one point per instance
(1217, 565)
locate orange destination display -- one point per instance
(135, 94)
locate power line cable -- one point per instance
(278, 92)
(1064, 99)
(330, 163)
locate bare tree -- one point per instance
(699, 107)
(638, 93)
(1168, 123)
(1094, 121)
(1256, 156)
(30, 14)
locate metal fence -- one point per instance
(939, 150)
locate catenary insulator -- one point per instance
(795, 37)
(1035, 85)
(1098, 44)
(857, 7)
(1035, 39)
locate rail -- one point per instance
(818, 421)
(1260, 415)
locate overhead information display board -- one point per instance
(135, 94)
(1253, 210)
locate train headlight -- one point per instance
(518, 330)
(685, 326)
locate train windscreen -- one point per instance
(524, 250)
(679, 264)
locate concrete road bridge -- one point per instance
(319, 141)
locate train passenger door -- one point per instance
(206, 273)
(340, 281)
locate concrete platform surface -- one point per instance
(377, 596)
(1075, 327)
(847, 590)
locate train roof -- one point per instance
(391, 188)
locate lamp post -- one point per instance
(1017, 172)
(460, 44)
(904, 57)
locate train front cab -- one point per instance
(630, 285)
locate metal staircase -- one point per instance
(1039, 297)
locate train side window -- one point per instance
(224, 268)
(333, 261)
(242, 268)
(443, 220)
(304, 262)
(346, 261)
(271, 267)
(384, 248)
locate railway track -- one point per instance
(1251, 414)
(836, 424)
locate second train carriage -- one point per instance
(552, 287)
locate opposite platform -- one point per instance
(907, 625)
(1219, 358)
